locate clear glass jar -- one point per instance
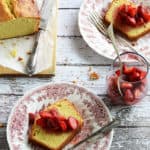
(130, 85)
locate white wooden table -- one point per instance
(73, 60)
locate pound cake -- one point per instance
(18, 18)
(134, 21)
(70, 123)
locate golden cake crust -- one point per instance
(5, 13)
(25, 8)
(20, 8)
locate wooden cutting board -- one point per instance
(4, 71)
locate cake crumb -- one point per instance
(29, 52)
(14, 44)
(1, 125)
(13, 53)
(1, 42)
(20, 59)
(74, 81)
(94, 75)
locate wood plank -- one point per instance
(63, 4)
(68, 22)
(74, 51)
(124, 139)
(137, 115)
(63, 74)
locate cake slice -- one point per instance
(56, 140)
(131, 32)
(18, 18)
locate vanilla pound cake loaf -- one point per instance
(18, 18)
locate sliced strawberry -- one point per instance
(117, 72)
(131, 21)
(137, 93)
(126, 85)
(31, 118)
(146, 17)
(132, 11)
(142, 75)
(73, 123)
(41, 122)
(53, 123)
(136, 76)
(54, 112)
(128, 97)
(140, 21)
(63, 125)
(45, 114)
(128, 70)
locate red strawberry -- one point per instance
(63, 125)
(128, 70)
(117, 72)
(53, 123)
(131, 21)
(73, 123)
(54, 112)
(45, 114)
(41, 122)
(132, 11)
(126, 85)
(128, 97)
(136, 76)
(142, 75)
(137, 93)
(31, 118)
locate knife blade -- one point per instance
(99, 133)
(45, 13)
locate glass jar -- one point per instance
(128, 84)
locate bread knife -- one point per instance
(45, 14)
(99, 133)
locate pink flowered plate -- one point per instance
(98, 42)
(93, 110)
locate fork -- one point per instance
(98, 22)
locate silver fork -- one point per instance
(98, 22)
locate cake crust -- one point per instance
(25, 8)
(5, 13)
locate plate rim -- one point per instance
(32, 90)
(83, 36)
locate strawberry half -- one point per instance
(41, 122)
(45, 114)
(63, 125)
(31, 118)
(128, 97)
(73, 123)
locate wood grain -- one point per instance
(68, 73)
(74, 51)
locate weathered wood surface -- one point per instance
(124, 139)
(73, 60)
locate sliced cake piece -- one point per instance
(56, 139)
(18, 18)
(133, 31)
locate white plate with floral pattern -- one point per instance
(98, 42)
(94, 112)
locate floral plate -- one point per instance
(98, 42)
(93, 110)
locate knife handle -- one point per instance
(31, 64)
